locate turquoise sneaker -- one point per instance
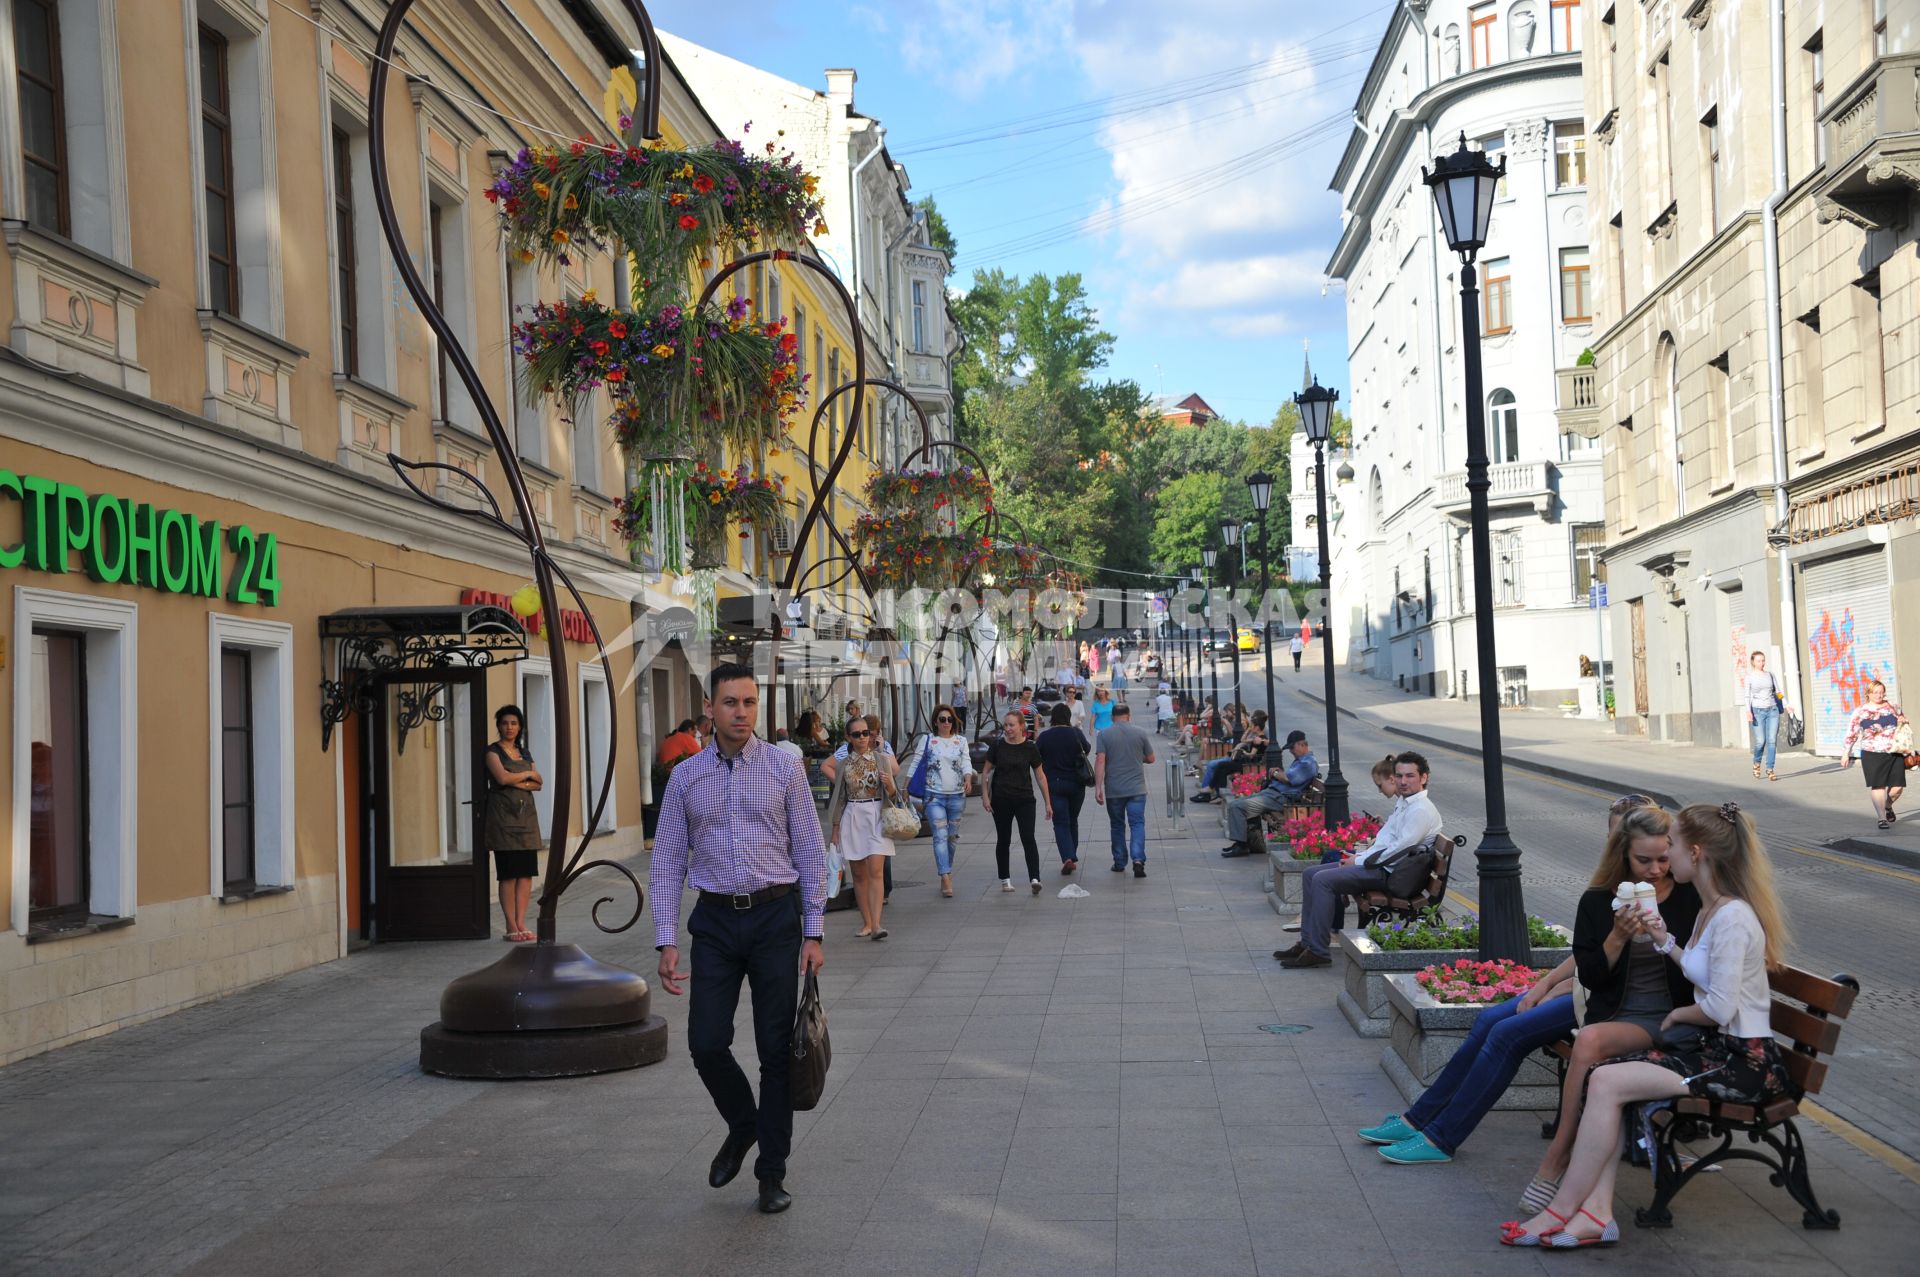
(1392, 1131)
(1418, 1151)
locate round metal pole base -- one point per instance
(1336, 809)
(1503, 914)
(504, 1057)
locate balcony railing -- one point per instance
(1871, 136)
(1579, 411)
(1509, 484)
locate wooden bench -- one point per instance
(1811, 1030)
(1273, 823)
(1371, 906)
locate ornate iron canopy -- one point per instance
(369, 643)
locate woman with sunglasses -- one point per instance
(949, 780)
(853, 819)
(1013, 774)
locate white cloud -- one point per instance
(1238, 284)
(970, 45)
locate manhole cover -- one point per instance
(1282, 1030)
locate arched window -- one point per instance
(1377, 500)
(1667, 365)
(1503, 427)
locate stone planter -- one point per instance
(1364, 968)
(1425, 1034)
(1285, 877)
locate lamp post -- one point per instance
(1209, 557)
(1316, 413)
(1230, 537)
(1463, 186)
(1193, 647)
(1260, 487)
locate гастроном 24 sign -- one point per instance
(123, 543)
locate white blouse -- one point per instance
(950, 764)
(1727, 963)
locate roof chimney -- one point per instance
(840, 86)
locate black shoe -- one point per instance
(1119, 869)
(1306, 958)
(727, 1162)
(774, 1197)
(1204, 796)
(1237, 849)
(1283, 954)
(1139, 869)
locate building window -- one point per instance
(1879, 28)
(1871, 327)
(236, 771)
(57, 767)
(1589, 569)
(1617, 251)
(1576, 290)
(1569, 156)
(1663, 90)
(346, 271)
(1710, 137)
(1723, 406)
(839, 405)
(1811, 434)
(1817, 77)
(437, 256)
(1675, 432)
(1499, 303)
(1494, 147)
(920, 315)
(596, 744)
(800, 343)
(1480, 38)
(43, 122)
(1503, 427)
(216, 142)
(1509, 569)
(1565, 36)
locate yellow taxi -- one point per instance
(1248, 640)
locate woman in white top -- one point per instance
(949, 781)
(1740, 935)
(1762, 693)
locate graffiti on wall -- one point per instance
(1847, 656)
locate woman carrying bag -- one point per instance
(945, 772)
(854, 819)
(1064, 752)
(1885, 738)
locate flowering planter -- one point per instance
(1285, 879)
(1425, 1034)
(1365, 968)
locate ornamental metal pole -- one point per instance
(1336, 792)
(1276, 752)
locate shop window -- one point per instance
(250, 717)
(596, 745)
(236, 770)
(75, 755)
(536, 702)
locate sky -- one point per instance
(1176, 155)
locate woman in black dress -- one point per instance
(512, 826)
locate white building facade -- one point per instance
(1506, 75)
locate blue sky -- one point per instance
(1177, 155)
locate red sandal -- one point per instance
(1511, 1234)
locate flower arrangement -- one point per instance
(676, 380)
(1246, 785)
(927, 491)
(669, 208)
(1314, 843)
(1430, 930)
(679, 499)
(1468, 981)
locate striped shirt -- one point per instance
(736, 825)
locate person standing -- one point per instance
(1764, 704)
(864, 781)
(1874, 726)
(949, 781)
(1062, 747)
(959, 706)
(1028, 711)
(1013, 774)
(737, 824)
(1121, 756)
(512, 829)
(1078, 715)
(680, 743)
(1299, 649)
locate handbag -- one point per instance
(812, 1052)
(1903, 739)
(917, 786)
(899, 822)
(1779, 701)
(1085, 771)
(1796, 730)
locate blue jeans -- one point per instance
(943, 813)
(1124, 815)
(1478, 1074)
(1215, 773)
(1067, 800)
(1765, 730)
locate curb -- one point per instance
(1898, 857)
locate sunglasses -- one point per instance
(858, 735)
(944, 718)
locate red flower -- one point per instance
(617, 328)
(702, 183)
(616, 374)
(689, 222)
(599, 347)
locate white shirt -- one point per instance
(787, 746)
(1414, 822)
(1727, 963)
(1298, 645)
(1164, 704)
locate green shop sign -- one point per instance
(121, 543)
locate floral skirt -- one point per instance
(1728, 1069)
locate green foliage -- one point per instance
(1585, 360)
(1432, 931)
(1187, 514)
(939, 231)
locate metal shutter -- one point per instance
(1849, 640)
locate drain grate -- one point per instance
(1284, 1030)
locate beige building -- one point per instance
(209, 356)
(1756, 364)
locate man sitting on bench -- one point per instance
(1413, 823)
(1283, 789)
(1250, 748)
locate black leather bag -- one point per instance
(812, 1052)
(1407, 876)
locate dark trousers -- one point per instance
(1067, 799)
(1477, 1076)
(1006, 811)
(1296, 661)
(763, 946)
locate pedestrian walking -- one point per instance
(959, 705)
(1121, 756)
(1764, 704)
(949, 780)
(737, 824)
(1885, 738)
(1012, 776)
(1164, 715)
(512, 827)
(1299, 648)
(1063, 750)
(865, 781)
(1079, 715)
(1101, 710)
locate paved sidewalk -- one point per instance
(1020, 1085)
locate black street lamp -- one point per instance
(1193, 647)
(1210, 557)
(1463, 186)
(1260, 487)
(1230, 537)
(1316, 412)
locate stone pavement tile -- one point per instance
(1238, 991)
(1158, 1087)
(1005, 1004)
(1020, 1245)
(1066, 1202)
(888, 1063)
(1179, 1193)
(1191, 1247)
(924, 1035)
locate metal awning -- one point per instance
(368, 643)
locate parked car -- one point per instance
(1217, 642)
(1249, 639)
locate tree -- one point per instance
(1187, 519)
(939, 232)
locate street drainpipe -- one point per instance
(853, 194)
(1776, 373)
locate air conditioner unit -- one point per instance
(780, 536)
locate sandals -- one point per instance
(1770, 775)
(519, 937)
(1886, 824)
(1511, 1234)
(1756, 771)
(1559, 1239)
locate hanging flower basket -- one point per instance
(670, 209)
(678, 382)
(688, 498)
(709, 548)
(935, 498)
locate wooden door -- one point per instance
(1638, 609)
(429, 867)
(353, 813)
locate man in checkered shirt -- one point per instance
(737, 824)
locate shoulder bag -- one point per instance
(917, 786)
(899, 822)
(812, 1051)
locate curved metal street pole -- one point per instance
(1337, 812)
